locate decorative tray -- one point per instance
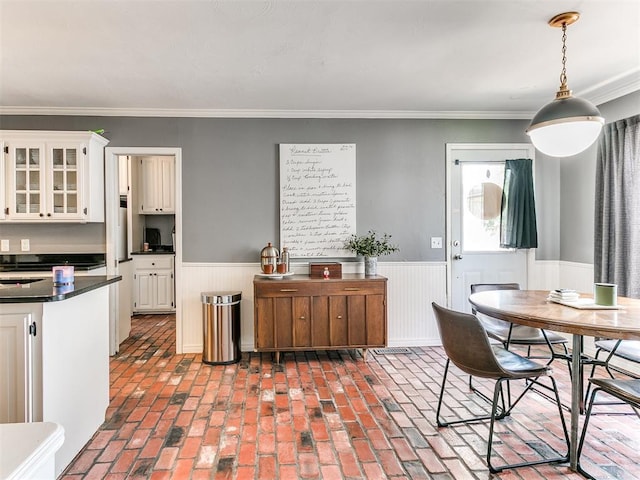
(585, 304)
(274, 276)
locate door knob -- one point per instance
(457, 257)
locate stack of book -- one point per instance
(564, 295)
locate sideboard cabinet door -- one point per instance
(312, 314)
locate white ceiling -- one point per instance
(393, 58)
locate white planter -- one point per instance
(370, 266)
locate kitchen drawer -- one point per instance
(354, 288)
(148, 262)
(278, 288)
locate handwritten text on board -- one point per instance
(317, 198)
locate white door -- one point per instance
(475, 175)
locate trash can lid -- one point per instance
(221, 297)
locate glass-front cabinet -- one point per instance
(54, 179)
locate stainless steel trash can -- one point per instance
(221, 327)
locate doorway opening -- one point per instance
(164, 227)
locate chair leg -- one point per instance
(441, 422)
(560, 459)
(587, 417)
(504, 409)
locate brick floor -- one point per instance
(319, 415)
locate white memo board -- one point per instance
(317, 198)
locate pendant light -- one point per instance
(568, 125)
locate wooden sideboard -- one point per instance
(303, 313)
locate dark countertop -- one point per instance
(153, 252)
(44, 290)
(43, 262)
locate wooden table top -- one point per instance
(531, 308)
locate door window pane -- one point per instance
(34, 203)
(21, 180)
(72, 203)
(21, 156)
(58, 157)
(71, 158)
(481, 204)
(72, 181)
(34, 156)
(34, 180)
(21, 203)
(58, 180)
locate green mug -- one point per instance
(605, 294)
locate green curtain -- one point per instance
(518, 227)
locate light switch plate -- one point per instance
(24, 245)
(436, 242)
(4, 245)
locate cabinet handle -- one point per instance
(302, 317)
(288, 289)
(339, 317)
(351, 289)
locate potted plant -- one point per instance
(370, 246)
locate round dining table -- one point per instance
(531, 308)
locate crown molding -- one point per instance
(613, 88)
(256, 113)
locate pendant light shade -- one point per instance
(568, 125)
(565, 127)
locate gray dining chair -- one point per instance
(467, 346)
(510, 334)
(628, 350)
(625, 390)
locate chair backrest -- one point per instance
(466, 343)
(486, 287)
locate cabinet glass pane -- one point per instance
(34, 202)
(58, 203)
(21, 203)
(21, 180)
(34, 180)
(72, 181)
(34, 156)
(21, 156)
(72, 203)
(71, 158)
(58, 157)
(58, 180)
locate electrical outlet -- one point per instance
(24, 245)
(4, 245)
(436, 242)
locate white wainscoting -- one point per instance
(411, 288)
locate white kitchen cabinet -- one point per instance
(3, 181)
(53, 176)
(16, 329)
(153, 285)
(157, 185)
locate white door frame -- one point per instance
(450, 148)
(112, 199)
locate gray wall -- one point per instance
(230, 175)
(577, 197)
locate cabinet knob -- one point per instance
(152, 263)
(302, 317)
(339, 316)
(42, 214)
(48, 214)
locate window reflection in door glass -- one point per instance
(481, 206)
